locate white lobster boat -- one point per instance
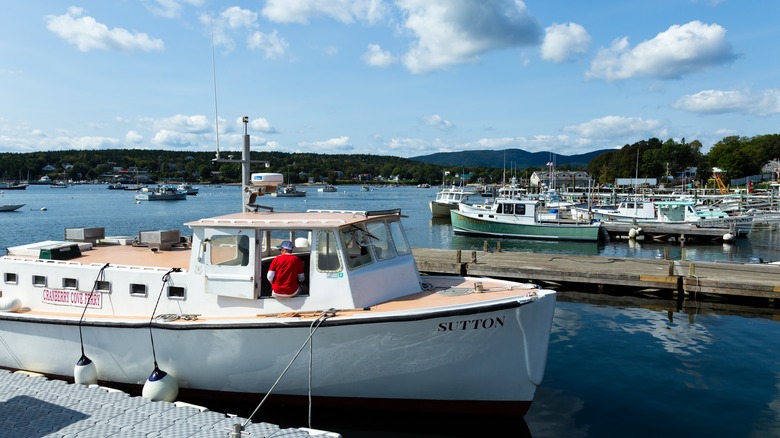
(192, 317)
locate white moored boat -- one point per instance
(193, 317)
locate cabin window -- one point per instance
(399, 238)
(103, 286)
(381, 240)
(356, 243)
(230, 250)
(327, 252)
(70, 283)
(520, 209)
(138, 290)
(10, 278)
(509, 208)
(39, 280)
(176, 293)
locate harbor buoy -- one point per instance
(632, 233)
(44, 208)
(85, 371)
(160, 386)
(728, 237)
(8, 304)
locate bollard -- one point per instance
(236, 432)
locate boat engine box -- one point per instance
(91, 235)
(160, 239)
(60, 252)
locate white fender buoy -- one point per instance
(728, 237)
(8, 304)
(160, 386)
(85, 371)
(632, 233)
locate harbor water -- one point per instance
(638, 368)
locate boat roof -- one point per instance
(286, 220)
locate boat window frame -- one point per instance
(328, 238)
(39, 280)
(10, 278)
(397, 233)
(356, 257)
(381, 240)
(180, 295)
(70, 283)
(220, 254)
(136, 293)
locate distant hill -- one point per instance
(516, 158)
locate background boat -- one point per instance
(10, 207)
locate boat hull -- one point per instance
(441, 209)
(470, 224)
(479, 358)
(10, 207)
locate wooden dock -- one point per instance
(680, 233)
(677, 278)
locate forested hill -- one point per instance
(516, 158)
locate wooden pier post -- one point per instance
(498, 246)
(457, 256)
(473, 256)
(486, 246)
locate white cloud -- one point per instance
(196, 124)
(438, 122)
(764, 103)
(262, 125)
(376, 57)
(337, 145)
(271, 44)
(617, 127)
(134, 137)
(680, 50)
(562, 42)
(451, 32)
(87, 34)
(345, 11)
(229, 21)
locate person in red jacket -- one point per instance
(286, 273)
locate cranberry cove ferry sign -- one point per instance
(72, 298)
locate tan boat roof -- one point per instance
(286, 220)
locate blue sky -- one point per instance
(401, 78)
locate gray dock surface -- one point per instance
(32, 406)
(678, 276)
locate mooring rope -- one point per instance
(165, 280)
(89, 298)
(312, 328)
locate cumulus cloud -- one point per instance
(336, 145)
(271, 44)
(197, 124)
(227, 22)
(616, 127)
(261, 124)
(345, 11)
(562, 42)
(134, 137)
(680, 50)
(376, 57)
(451, 32)
(87, 34)
(764, 103)
(438, 122)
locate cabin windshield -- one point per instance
(373, 241)
(230, 250)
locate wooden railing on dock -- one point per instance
(676, 276)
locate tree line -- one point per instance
(652, 158)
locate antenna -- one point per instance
(214, 79)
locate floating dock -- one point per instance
(33, 406)
(676, 277)
(680, 233)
